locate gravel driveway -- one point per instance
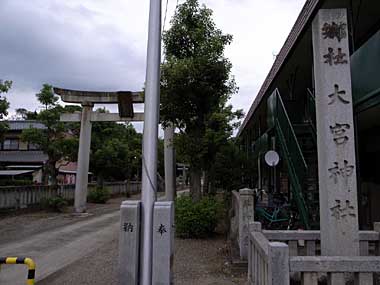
(198, 262)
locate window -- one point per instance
(32, 146)
(11, 144)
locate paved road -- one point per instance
(55, 241)
(53, 250)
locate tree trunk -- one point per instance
(206, 183)
(100, 181)
(195, 184)
(212, 189)
(45, 175)
(52, 173)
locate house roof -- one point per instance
(23, 156)
(14, 172)
(24, 167)
(20, 125)
(300, 25)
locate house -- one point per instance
(283, 114)
(24, 161)
(18, 158)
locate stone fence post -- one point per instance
(253, 227)
(376, 228)
(246, 216)
(278, 264)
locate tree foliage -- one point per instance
(196, 84)
(24, 114)
(46, 96)
(116, 151)
(58, 140)
(5, 86)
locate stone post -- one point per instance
(246, 217)
(376, 228)
(336, 140)
(170, 171)
(163, 241)
(278, 264)
(81, 182)
(129, 243)
(253, 227)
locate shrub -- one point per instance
(196, 220)
(99, 195)
(56, 204)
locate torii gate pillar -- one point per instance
(83, 159)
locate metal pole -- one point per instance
(170, 183)
(150, 137)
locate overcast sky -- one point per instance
(101, 45)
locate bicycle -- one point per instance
(276, 220)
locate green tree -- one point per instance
(116, 151)
(228, 168)
(5, 86)
(219, 130)
(196, 83)
(25, 114)
(46, 96)
(57, 139)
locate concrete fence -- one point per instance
(277, 257)
(16, 197)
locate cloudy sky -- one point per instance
(101, 45)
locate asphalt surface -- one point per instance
(54, 249)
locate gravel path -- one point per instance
(204, 262)
(16, 227)
(198, 262)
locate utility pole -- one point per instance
(150, 137)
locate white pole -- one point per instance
(150, 137)
(170, 180)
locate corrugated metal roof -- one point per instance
(14, 172)
(24, 124)
(23, 156)
(23, 166)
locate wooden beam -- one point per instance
(101, 117)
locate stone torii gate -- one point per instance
(87, 99)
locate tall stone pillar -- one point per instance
(81, 183)
(170, 171)
(163, 243)
(335, 129)
(246, 217)
(129, 242)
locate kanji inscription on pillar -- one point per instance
(128, 227)
(334, 30)
(340, 136)
(335, 128)
(333, 58)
